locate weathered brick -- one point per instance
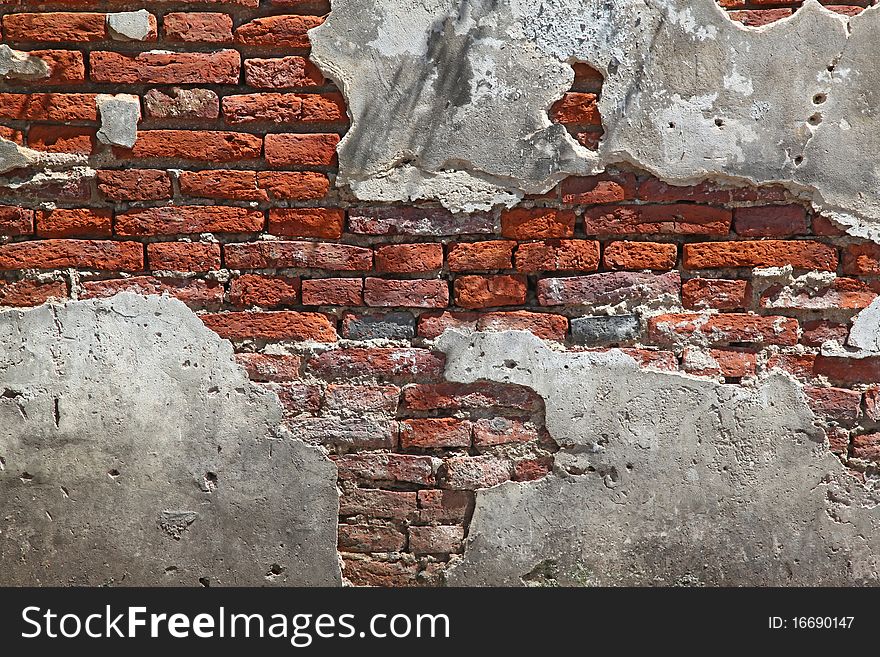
(370, 538)
(797, 364)
(480, 256)
(431, 433)
(418, 222)
(55, 26)
(307, 222)
(183, 256)
(159, 67)
(865, 446)
(408, 258)
(279, 325)
(270, 367)
(346, 433)
(548, 326)
(80, 222)
(770, 221)
(818, 331)
(199, 27)
(576, 108)
(733, 363)
(311, 255)
(537, 223)
(197, 145)
(847, 293)
(482, 395)
(680, 328)
(531, 469)
(558, 255)
(283, 108)
(187, 220)
(83, 254)
(490, 291)
(134, 184)
(384, 326)
(862, 259)
(414, 293)
(29, 292)
(604, 330)
(718, 293)
(606, 188)
(440, 539)
(301, 150)
(62, 139)
(800, 254)
(48, 107)
(369, 572)
(264, 291)
(195, 293)
(848, 370)
(609, 288)
(289, 31)
(380, 467)
(333, 292)
(282, 73)
(347, 398)
(16, 221)
(392, 505)
(674, 219)
(392, 364)
(837, 404)
(445, 506)
(473, 472)
(640, 255)
(293, 185)
(502, 431)
(178, 103)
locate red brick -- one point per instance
(502, 431)
(872, 403)
(280, 325)
(283, 108)
(837, 404)
(158, 67)
(57, 26)
(482, 395)
(415, 293)
(333, 292)
(866, 446)
(369, 572)
(81, 222)
(134, 184)
(197, 294)
(393, 505)
(370, 538)
(862, 259)
(28, 292)
(558, 255)
(473, 472)
(445, 506)
(771, 221)
(531, 469)
(576, 109)
(801, 254)
(418, 222)
(293, 185)
(307, 222)
(721, 294)
(674, 219)
(404, 364)
(180, 103)
(201, 27)
(387, 467)
(311, 255)
(442, 539)
(721, 329)
(62, 139)
(198, 145)
(536, 223)
(264, 291)
(15, 221)
(361, 398)
(640, 255)
(732, 363)
(838, 440)
(817, 332)
(545, 325)
(759, 17)
(83, 254)
(277, 31)
(297, 399)
(270, 367)
(301, 150)
(187, 220)
(222, 184)
(848, 370)
(431, 433)
(481, 256)
(490, 291)
(56, 107)
(65, 66)
(797, 364)
(408, 258)
(586, 78)
(825, 227)
(608, 288)
(606, 188)
(183, 256)
(282, 73)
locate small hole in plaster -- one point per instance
(26, 477)
(799, 160)
(719, 122)
(818, 99)
(816, 119)
(830, 68)
(113, 474)
(204, 581)
(671, 124)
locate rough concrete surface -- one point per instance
(663, 479)
(119, 119)
(135, 451)
(689, 95)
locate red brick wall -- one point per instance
(227, 202)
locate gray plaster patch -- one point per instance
(865, 332)
(135, 451)
(129, 25)
(663, 479)
(449, 99)
(119, 119)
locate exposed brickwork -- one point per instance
(227, 202)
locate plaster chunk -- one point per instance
(18, 65)
(663, 479)
(865, 332)
(136, 451)
(130, 25)
(449, 100)
(120, 115)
